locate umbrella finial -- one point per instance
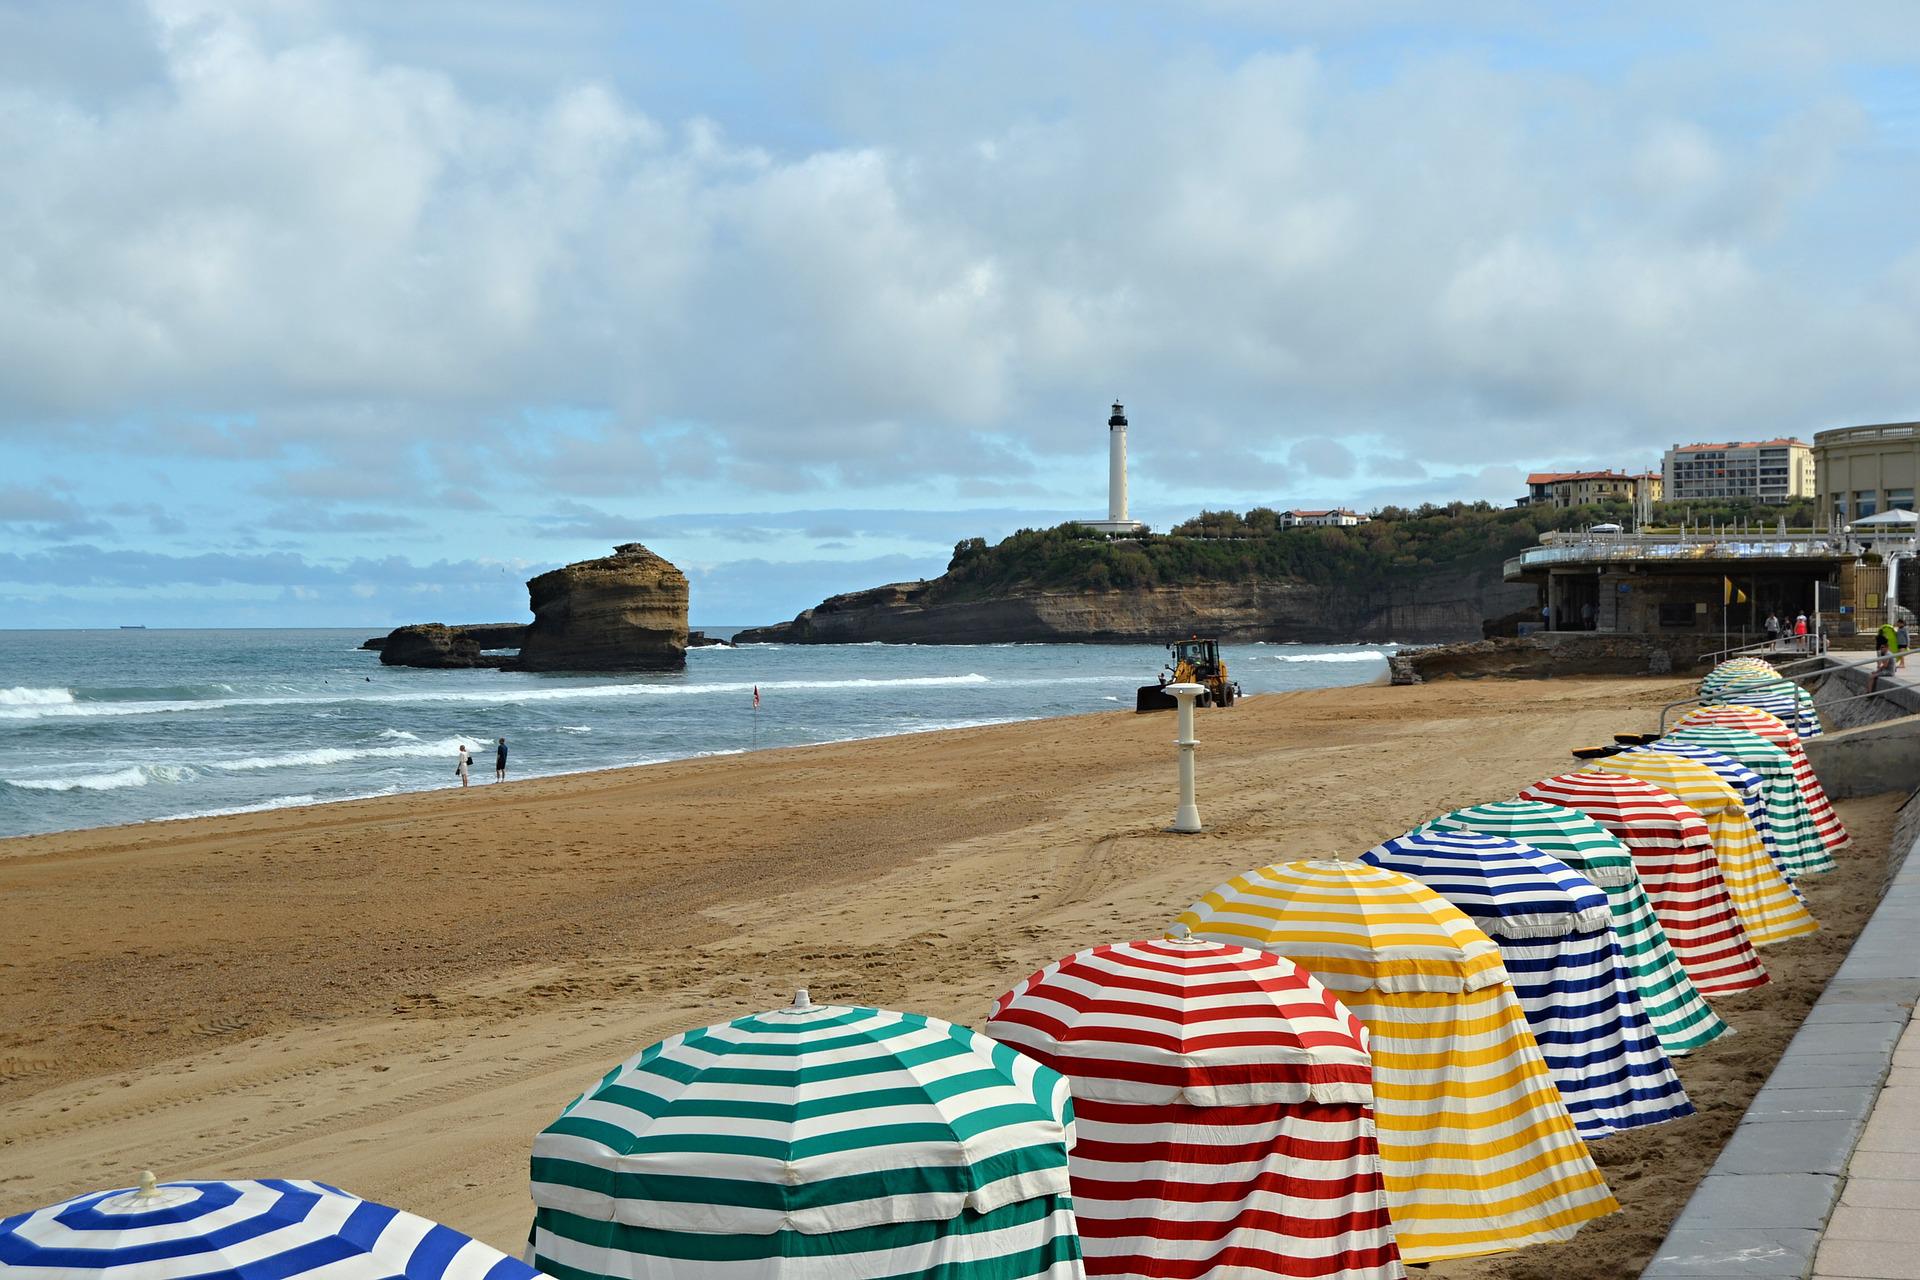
(1179, 932)
(149, 1185)
(801, 1000)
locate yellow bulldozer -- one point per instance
(1192, 661)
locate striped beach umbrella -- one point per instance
(272, 1229)
(1737, 669)
(1223, 1112)
(1673, 852)
(1779, 697)
(1745, 783)
(1555, 933)
(1796, 837)
(1833, 833)
(1768, 907)
(814, 1141)
(1681, 1017)
(1477, 1148)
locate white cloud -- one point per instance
(323, 256)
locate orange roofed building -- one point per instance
(1581, 488)
(1336, 518)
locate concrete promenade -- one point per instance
(1822, 1176)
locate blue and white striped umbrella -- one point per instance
(267, 1230)
(1746, 783)
(1555, 932)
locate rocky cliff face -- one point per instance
(623, 612)
(1440, 607)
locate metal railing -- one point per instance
(1829, 665)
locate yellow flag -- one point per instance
(1739, 596)
(1726, 590)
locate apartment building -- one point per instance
(1771, 471)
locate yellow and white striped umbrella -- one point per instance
(1477, 1148)
(1769, 909)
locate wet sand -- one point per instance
(394, 995)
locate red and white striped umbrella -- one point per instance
(1673, 852)
(1223, 1101)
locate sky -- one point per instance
(354, 313)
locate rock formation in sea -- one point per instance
(1440, 606)
(623, 612)
(433, 644)
(487, 635)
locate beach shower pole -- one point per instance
(1186, 818)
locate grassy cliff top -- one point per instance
(1224, 546)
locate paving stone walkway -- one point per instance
(1874, 1233)
(1822, 1175)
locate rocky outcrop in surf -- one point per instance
(623, 612)
(1439, 607)
(486, 635)
(436, 645)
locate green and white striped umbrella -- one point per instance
(1680, 1015)
(813, 1141)
(1795, 835)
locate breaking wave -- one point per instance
(118, 779)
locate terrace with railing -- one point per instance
(1583, 547)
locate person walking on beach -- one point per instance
(464, 766)
(500, 762)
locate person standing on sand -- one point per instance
(465, 765)
(500, 762)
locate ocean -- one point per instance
(106, 727)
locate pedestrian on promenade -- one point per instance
(500, 762)
(1773, 631)
(463, 766)
(1800, 632)
(1900, 641)
(1882, 663)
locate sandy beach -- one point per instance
(395, 995)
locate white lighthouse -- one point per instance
(1117, 520)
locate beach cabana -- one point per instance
(271, 1229)
(1769, 909)
(1833, 832)
(1737, 669)
(1223, 1112)
(1477, 1148)
(1555, 933)
(1796, 838)
(1681, 1016)
(1745, 783)
(824, 1141)
(1673, 852)
(1776, 696)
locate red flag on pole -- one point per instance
(756, 697)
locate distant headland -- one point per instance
(1431, 574)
